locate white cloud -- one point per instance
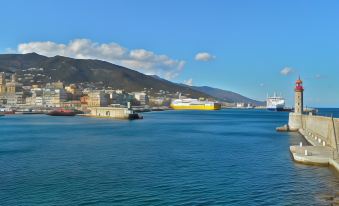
(204, 56)
(286, 71)
(141, 60)
(318, 76)
(189, 82)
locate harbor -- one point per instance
(197, 155)
(169, 103)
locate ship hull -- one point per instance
(275, 109)
(58, 113)
(196, 107)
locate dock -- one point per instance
(113, 113)
(317, 154)
(321, 133)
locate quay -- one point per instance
(113, 112)
(319, 131)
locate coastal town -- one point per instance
(16, 97)
(27, 94)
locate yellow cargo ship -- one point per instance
(194, 104)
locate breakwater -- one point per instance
(324, 128)
(113, 112)
(322, 133)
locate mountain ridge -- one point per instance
(71, 70)
(227, 96)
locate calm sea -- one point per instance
(227, 157)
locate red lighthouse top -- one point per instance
(299, 85)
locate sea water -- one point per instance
(226, 157)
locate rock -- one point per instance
(284, 128)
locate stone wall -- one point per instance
(110, 112)
(325, 128)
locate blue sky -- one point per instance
(250, 42)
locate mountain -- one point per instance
(227, 96)
(71, 70)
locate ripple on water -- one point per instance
(228, 157)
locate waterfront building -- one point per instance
(34, 101)
(2, 82)
(97, 98)
(46, 97)
(141, 97)
(10, 99)
(228, 104)
(240, 105)
(2, 78)
(14, 99)
(36, 97)
(54, 97)
(156, 101)
(11, 93)
(13, 86)
(118, 97)
(73, 91)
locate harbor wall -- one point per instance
(325, 128)
(110, 112)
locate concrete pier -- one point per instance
(319, 131)
(319, 153)
(314, 155)
(113, 112)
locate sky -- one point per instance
(254, 48)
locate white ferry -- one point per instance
(275, 103)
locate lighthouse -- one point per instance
(299, 97)
(295, 118)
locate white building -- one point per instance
(97, 99)
(141, 97)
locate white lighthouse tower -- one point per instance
(295, 118)
(299, 97)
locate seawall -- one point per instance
(113, 112)
(325, 128)
(321, 133)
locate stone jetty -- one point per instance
(319, 131)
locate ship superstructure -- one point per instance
(275, 103)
